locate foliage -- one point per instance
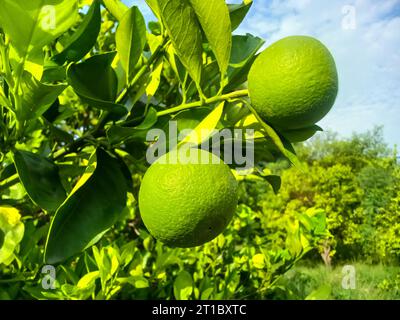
(76, 104)
(372, 282)
(237, 264)
(81, 85)
(355, 181)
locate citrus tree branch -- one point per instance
(224, 97)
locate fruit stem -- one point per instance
(224, 97)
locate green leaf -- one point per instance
(322, 293)
(206, 294)
(155, 79)
(84, 38)
(88, 280)
(96, 83)
(35, 23)
(243, 49)
(282, 144)
(116, 7)
(205, 128)
(3, 99)
(213, 16)
(52, 72)
(116, 133)
(180, 21)
(153, 4)
(275, 182)
(8, 171)
(301, 135)
(93, 206)
(131, 39)
(183, 286)
(41, 179)
(11, 233)
(37, 97)
(238, 12)
(190, 118)
(259, 261)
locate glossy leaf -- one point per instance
(155, 79)
(117, 133)
(35, 23)
(116, 7)
(243, 49)
(238, 12)
(37, 97)
(153, 4)
(52, 72)
(300, 135)
(92, 207)
(205, 128)
(180, 20)
(131, 39)
(190, 118)
(84, 38)
(95, 82)
(213, 16)
(41, 179)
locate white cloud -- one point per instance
(368, 57)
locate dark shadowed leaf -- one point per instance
(281, 143)
(238, 12)
(243, 49)
(37, 96)
(96, 83)
(8, 171)
(116, 133)
(300, 135)
(274, 181)
(40, 178)
(92, 207)
(84, 38)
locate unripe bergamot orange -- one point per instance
(293, 83)
(187, 201)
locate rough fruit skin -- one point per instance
(187, 205)
(293, 83)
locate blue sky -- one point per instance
(364, 38)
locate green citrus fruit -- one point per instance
(293, 83)
(187, 200)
